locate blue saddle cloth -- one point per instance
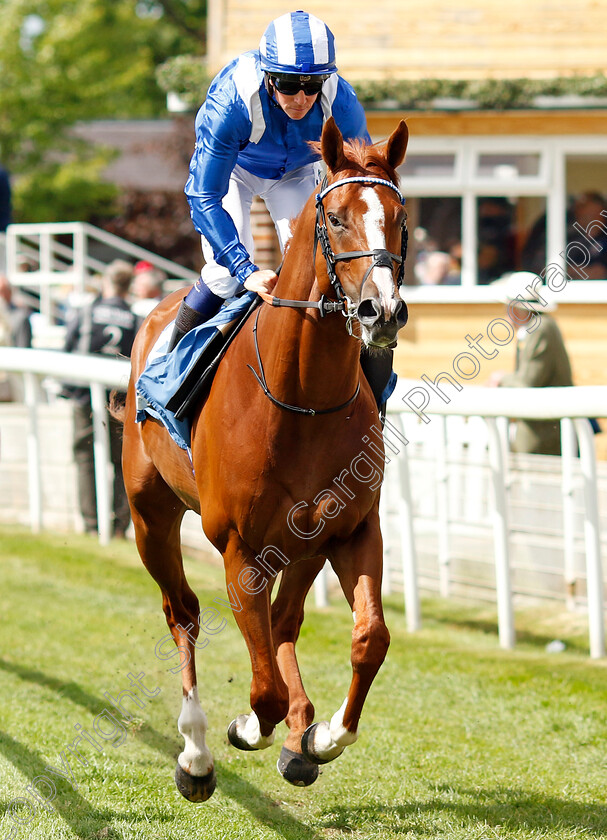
(165, 373)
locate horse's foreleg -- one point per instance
(250, 599)
(358, 564)
(157, 515)
(287, 617)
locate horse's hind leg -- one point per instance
(287, 617)
(157, 515)
(358, 563)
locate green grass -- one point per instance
(459, 739)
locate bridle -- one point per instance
(381, 258)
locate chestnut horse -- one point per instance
(285, 421)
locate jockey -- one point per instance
(252, 136)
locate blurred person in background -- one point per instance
(5, 213)
(495, 238)
(15, 331)
(106, 326)
(148, 288)
(541, 357)
(18, 316)
(588, 213)
(5, 200)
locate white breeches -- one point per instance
(284, 200)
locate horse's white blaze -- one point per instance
(196, 758)
(375, 229)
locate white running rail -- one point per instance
(571, 405)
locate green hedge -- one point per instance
(187, 76)
(486, 93)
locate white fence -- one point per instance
(412, 402)
(572, 406)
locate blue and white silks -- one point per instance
(239, 124)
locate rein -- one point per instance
(261, 378)
(382, 258)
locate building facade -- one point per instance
(490, 187)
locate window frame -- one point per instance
(549, 183)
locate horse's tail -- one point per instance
(117, 405)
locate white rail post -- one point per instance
(389, 492)
(101, 448)
(46, 267)
(594, 571)
(34, 479)
(442, 507)
(79, 258)
(407, 544)
(568, 453)
(505, 614)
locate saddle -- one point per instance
(173, 384)
(196, 385)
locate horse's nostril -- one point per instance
(401, 313)
(369, 311)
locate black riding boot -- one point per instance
(198, 306)
(187, 318)
(377, 368)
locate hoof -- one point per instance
(307, 745)
(195, 788)
(296, 769)
(233, 736)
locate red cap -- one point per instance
(141, 266)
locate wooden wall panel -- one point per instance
(434, 38)
(497, 123)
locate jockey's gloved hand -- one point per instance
(262, 281)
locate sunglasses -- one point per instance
(291, 87)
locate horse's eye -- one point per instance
(335, 222)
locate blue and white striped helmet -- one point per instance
(298, 43)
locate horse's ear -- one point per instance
(332, 145)
(397, 145)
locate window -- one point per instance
(586, 226)
(435, 250)
(429, 166)
(511, 235)
(503, 167)
(479, 207)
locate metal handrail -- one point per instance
(59, 264)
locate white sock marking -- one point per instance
(331, 739)
(252, 733)
(196, 758)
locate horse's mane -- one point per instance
(360, 158)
